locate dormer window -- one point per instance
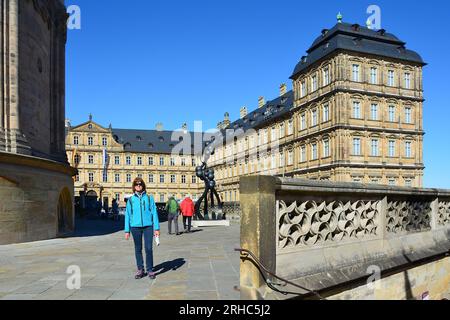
(304, 59)
(381, 32)
(127, 145)
(150, 146)
(324, 32)
(139, 138)
(356, 27)
(161, 139)
(90, 126)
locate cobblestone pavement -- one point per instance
(196, 266)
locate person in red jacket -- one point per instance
(187, 210)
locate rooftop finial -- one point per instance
(339, 17)
(90, 116)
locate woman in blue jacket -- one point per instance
(141, 219)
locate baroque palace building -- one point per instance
(108, 160)
(354, 115)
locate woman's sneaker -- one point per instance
(152, 275)
(140, 274)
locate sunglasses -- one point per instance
(138, 184)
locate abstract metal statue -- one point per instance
(207, 175)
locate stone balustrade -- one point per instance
(325, 236)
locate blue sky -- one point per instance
(138, 62)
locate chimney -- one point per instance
(283, 89)
(226, 120)
(261, 102)
(159, 126)
(244, 112)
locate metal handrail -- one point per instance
(271, 284)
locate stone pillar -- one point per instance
(258, 231)
(14, 141)
(434, 214)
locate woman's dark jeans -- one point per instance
(147, 233)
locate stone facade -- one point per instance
(35, 176)
(356, 117)
(165, 174)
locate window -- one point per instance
(356, 146)
(326, 113)
(392, 182)
(391, 148)
(193, 162)
(76, 140)
(290, 157)
(373, 75)
(104, 141)
(391, 78)
(374, 180)
(314, 117)
(128, 160)
(355, 73)
(161, 178)
(91, 177)
(173, 178)
(303, 121)
(374, 111)
(282, 132)
(408, 183)
(273, 161)
(314, 83)
(407, 80)
(357, 180)
(77, 159)
(273, 134)
(303, 154)
(128, 177)
(90, 141)
(303, 88)
(266, 135)
(408, 152)
(391, 113)
(290, 127)
(162, 198)
(150, 178)
(118, 197)
(91, 159)
(77, 178)
(183, 179)
(326, 148)
(374, 148)
(282, 160)
(117, 178)
(194, 179)
(326, 76)
(172, 162)
(314, 155)
(139, 161)
(150, 161)
(161, 161)
(116, 160)
(357, 110)
(105, 177)
(408, 112)
(183, 162)
(140, 175)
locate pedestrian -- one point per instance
(172, 208)
(187, 210)
(141, 219)
(115, 210)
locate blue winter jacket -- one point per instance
(141, 212)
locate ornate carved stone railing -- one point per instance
(324, 234)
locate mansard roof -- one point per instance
(360, 39)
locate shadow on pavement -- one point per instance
(169, 266)
(95, 226)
